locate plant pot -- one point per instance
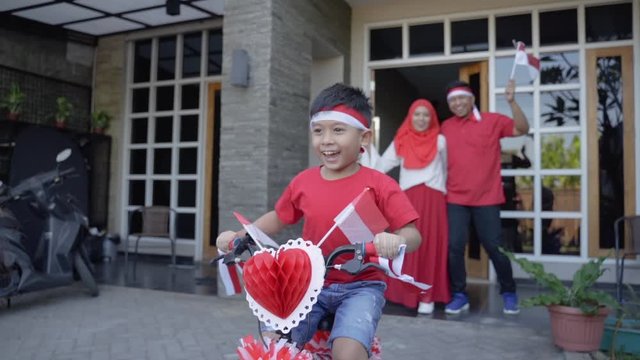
(574, 331)
(98, 130)
(61, 124)
(626, 338)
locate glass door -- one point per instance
(610, 136)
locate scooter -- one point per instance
(60, 254)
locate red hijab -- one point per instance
(417, 148)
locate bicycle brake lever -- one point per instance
(215, 259)
(352, 266)
(355, 265)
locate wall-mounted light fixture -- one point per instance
(173, 7)
(240, 68)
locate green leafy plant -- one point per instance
(100, 119)
(64, 109)
(13, 100)
(580, 294)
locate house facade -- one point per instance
(210, 114)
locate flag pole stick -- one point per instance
(513, 68)
(258, 243)
(335, 224)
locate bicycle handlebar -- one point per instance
(361, 260)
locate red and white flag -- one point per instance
(393, 268)
(229, 277)
(522, 58)
(359, 221)
(258, 235)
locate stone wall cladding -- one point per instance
(245, 114)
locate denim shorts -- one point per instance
(357, 307)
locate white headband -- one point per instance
(337, 116)
(457, 92)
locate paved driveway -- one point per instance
(129, 323)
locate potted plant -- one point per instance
(622, 331)
(100, 120)
(13, 102)
(63, 112)
(577, 311)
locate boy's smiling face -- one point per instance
(338, 147)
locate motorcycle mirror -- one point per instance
(63, 155)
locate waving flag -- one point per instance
(393, 268)
(522, 58)
(229, 277)
(258, 235)
(360, 221)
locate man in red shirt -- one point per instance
(474, 187)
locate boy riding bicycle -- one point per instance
(340, 122)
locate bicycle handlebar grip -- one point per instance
(370, 249)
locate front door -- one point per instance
(477, 260)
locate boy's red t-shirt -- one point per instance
(319, 201)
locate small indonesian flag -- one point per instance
(393, 268)
(229, 277)
(361, 220)
(522, 58)
(256, 234)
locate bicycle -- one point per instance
(242, 250)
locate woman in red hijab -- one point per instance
(420, 151)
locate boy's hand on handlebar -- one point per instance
(388, 244)
(224, 239)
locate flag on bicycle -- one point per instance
(257, 234)
(229, 276)
(522, 58)
(361, 220)
(393, 268)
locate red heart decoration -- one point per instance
(278, 283)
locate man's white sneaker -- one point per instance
(425, 308)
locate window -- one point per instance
(426, 39)
(514, 27)
(469, 35)
(142, 61)
(385, 44)
(559, 27)
(214, 63)
(163, 142)
(559, 68)
(609, 22)
(192, 51)
(166, 58)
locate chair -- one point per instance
(625, 225)
(155, 223)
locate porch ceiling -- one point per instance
(105, 17)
